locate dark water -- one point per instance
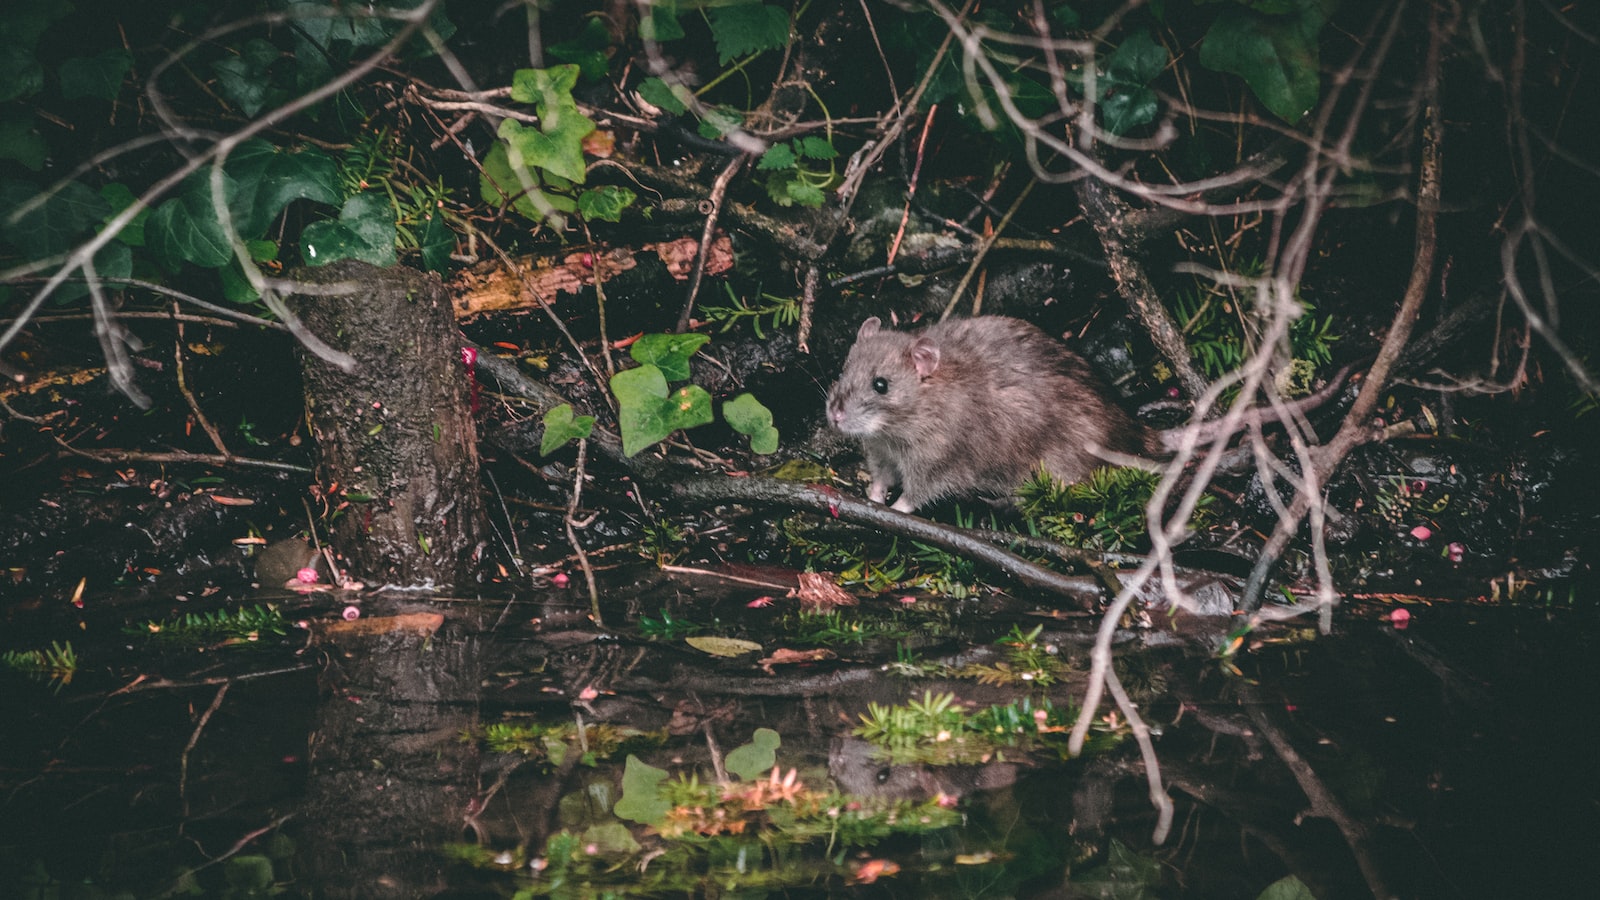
(1452, 759)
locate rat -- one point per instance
(974, 407)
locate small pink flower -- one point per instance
(907, 600)
(1422, 532)
(1400, 618)
(352, 613)
(1456, 550)
(307, 575)
(1418, 487)
(559, 579)
(588, 693)
(469, 356)
(760, 603)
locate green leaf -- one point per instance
(668, 352)
(55, 225)
(804, 193)
(561, 426)
(20, 27)
(245, 80)
(746, 415)
(186, 228)
(661, 22)
(813, 147)
(606, 202)
(747, 28)
(269, 178)
(755, 759)
(610, 840)
(248, 875)
(646, 413)
(365, 231)
(20, 141)
(587, 50)
(556, 146)
(641, 799)
(672, 99)
(436, 241)
(778, 156)
(1126, 107)
(1287, 888)
(719, 121)
(1137, 60)
(96, 77)
(1277, 55)
(500, 182)
(544, 87)
(119, 197)
(111, 262)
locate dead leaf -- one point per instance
(786, 657)
(819, 593)
(232, 501)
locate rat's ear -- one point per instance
(869, 327)
(925, 356)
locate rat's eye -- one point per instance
(881, 385)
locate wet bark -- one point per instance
(396, 442)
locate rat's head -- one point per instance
(883, 379)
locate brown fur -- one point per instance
(973, 407)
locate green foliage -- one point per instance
(647, 412)
(1027, 661)
(642, 799)
(43, 227)
(267, 179)
(1123, 873)
(757, 758)
(365, 230)
(672, 99)
(1286, 888)
(1105, 511)
(833, 628)
(605, 203)
(779, 312)
(937, 731)
(1215, 331)
(794, 176)
(245, 78)
(533, 170)
(97, 77)
(551, 743)
(561, 426)
(242, 627)
(24, 21)
(1122, 88)
(1273, 47)
(58, 663)
(667, 627)
(746, 415)
(747, 28)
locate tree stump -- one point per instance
(397, 448)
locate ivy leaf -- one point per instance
(756, 758)
(111, 262)
(641, 799)
(235, 286)
(435, 241)
(500, 182)
(605, 202)
(647, 413)
(778, 156)
(1126, 107)
(244, 79)
(269, 178)
(746, 415)
(561, 426)
(364, 230)
(557, 146)
(20, 141)
(1137, 60)
(1277, 55)
(747, 28)
(119, 197)
(588, 50)
(672, 99)
(98, 77)
(53, 226)
(544, 87)
(668, 352)
(186, 228)
(20, 27)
